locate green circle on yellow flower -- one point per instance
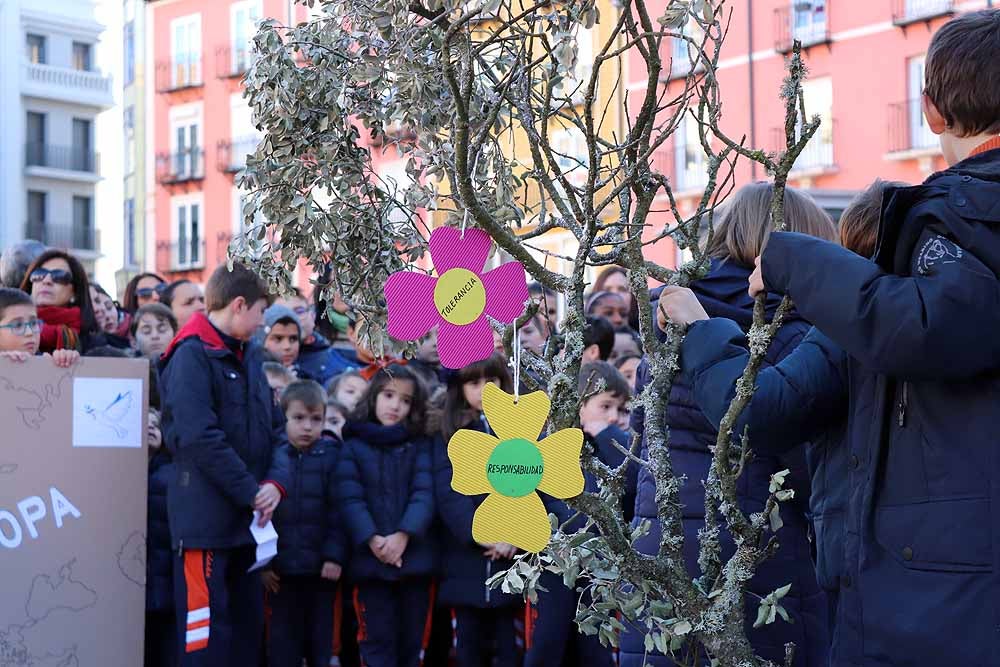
(460, 296)
(515, 468)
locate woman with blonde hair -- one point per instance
(742, 230)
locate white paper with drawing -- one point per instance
(107, 412)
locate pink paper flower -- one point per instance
(459, 299)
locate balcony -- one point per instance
(180, 167)
(62, 162)
(681, 54)
(181, 72)
(807, 21)
(61, 235)
(231, 156)
(909, 135)
(64, 84)
(817, 157)
(181, 255)
(232, 61)
(905, 12)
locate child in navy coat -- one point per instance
(386, 493)
(312, 549)
(482, 619)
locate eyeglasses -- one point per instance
(302, 310)
(59, 276)
(146, 292)
(21, 327)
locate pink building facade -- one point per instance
(865, 63)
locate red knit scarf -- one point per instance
(61, 330)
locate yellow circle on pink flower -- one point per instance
(460, 296)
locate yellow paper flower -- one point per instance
(512, 466)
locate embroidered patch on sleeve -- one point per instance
(937, 250)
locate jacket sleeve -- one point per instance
(456, 511)
(353, 504)
(196, 435)
(611, 456)
(795, 400)
(335, 542)
(928, 325)
(420, 509)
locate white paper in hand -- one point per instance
(266, 539)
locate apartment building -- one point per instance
(52, 92)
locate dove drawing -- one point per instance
(114, 414)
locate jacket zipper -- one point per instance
(903, 402)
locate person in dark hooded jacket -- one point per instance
(802, 398)
(303, 577)
(317, 360)
(923, 539)
(483, 619)
(221, 428)
(552, 637)
(161, 626)
(743, 229)
(386, 492)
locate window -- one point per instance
(129, 215)
(570, 149)
(37, 215)
(919, 9)
(129, 117)
(574, 86)
(35, 45)
(186, 151)
(818, 96)
(809, 21)
(128, 52)
(689, 157)
(83, 156)
(35, 139)
(683, 52)
(185, 49)
(257, 247)
(83, 223)
(245, 16)
(396, 182)
(920, 134)
(188, 244)
(81, 56)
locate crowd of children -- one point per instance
(262, 411)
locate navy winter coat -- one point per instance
(804, 397)
(159, 555)
(385, 485)
(920, 323)
(308, 521)
(315, 360)
(221, 427)
(464, 570)
(723, 293)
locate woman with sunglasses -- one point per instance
(58, 285)
(144, 288)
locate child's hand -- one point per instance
(16, 356)
(65, 358)
(271, 581)
(266, 502)
(504, 550)
(376, 544)
(756, 280)
(680, 306)
(331, 571)
(395, 545)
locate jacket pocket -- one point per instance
(944, 535)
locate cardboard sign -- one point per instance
(459, 299)
(73, 468)
(512, 466)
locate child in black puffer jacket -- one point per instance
(312, 548)
(386, 493)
